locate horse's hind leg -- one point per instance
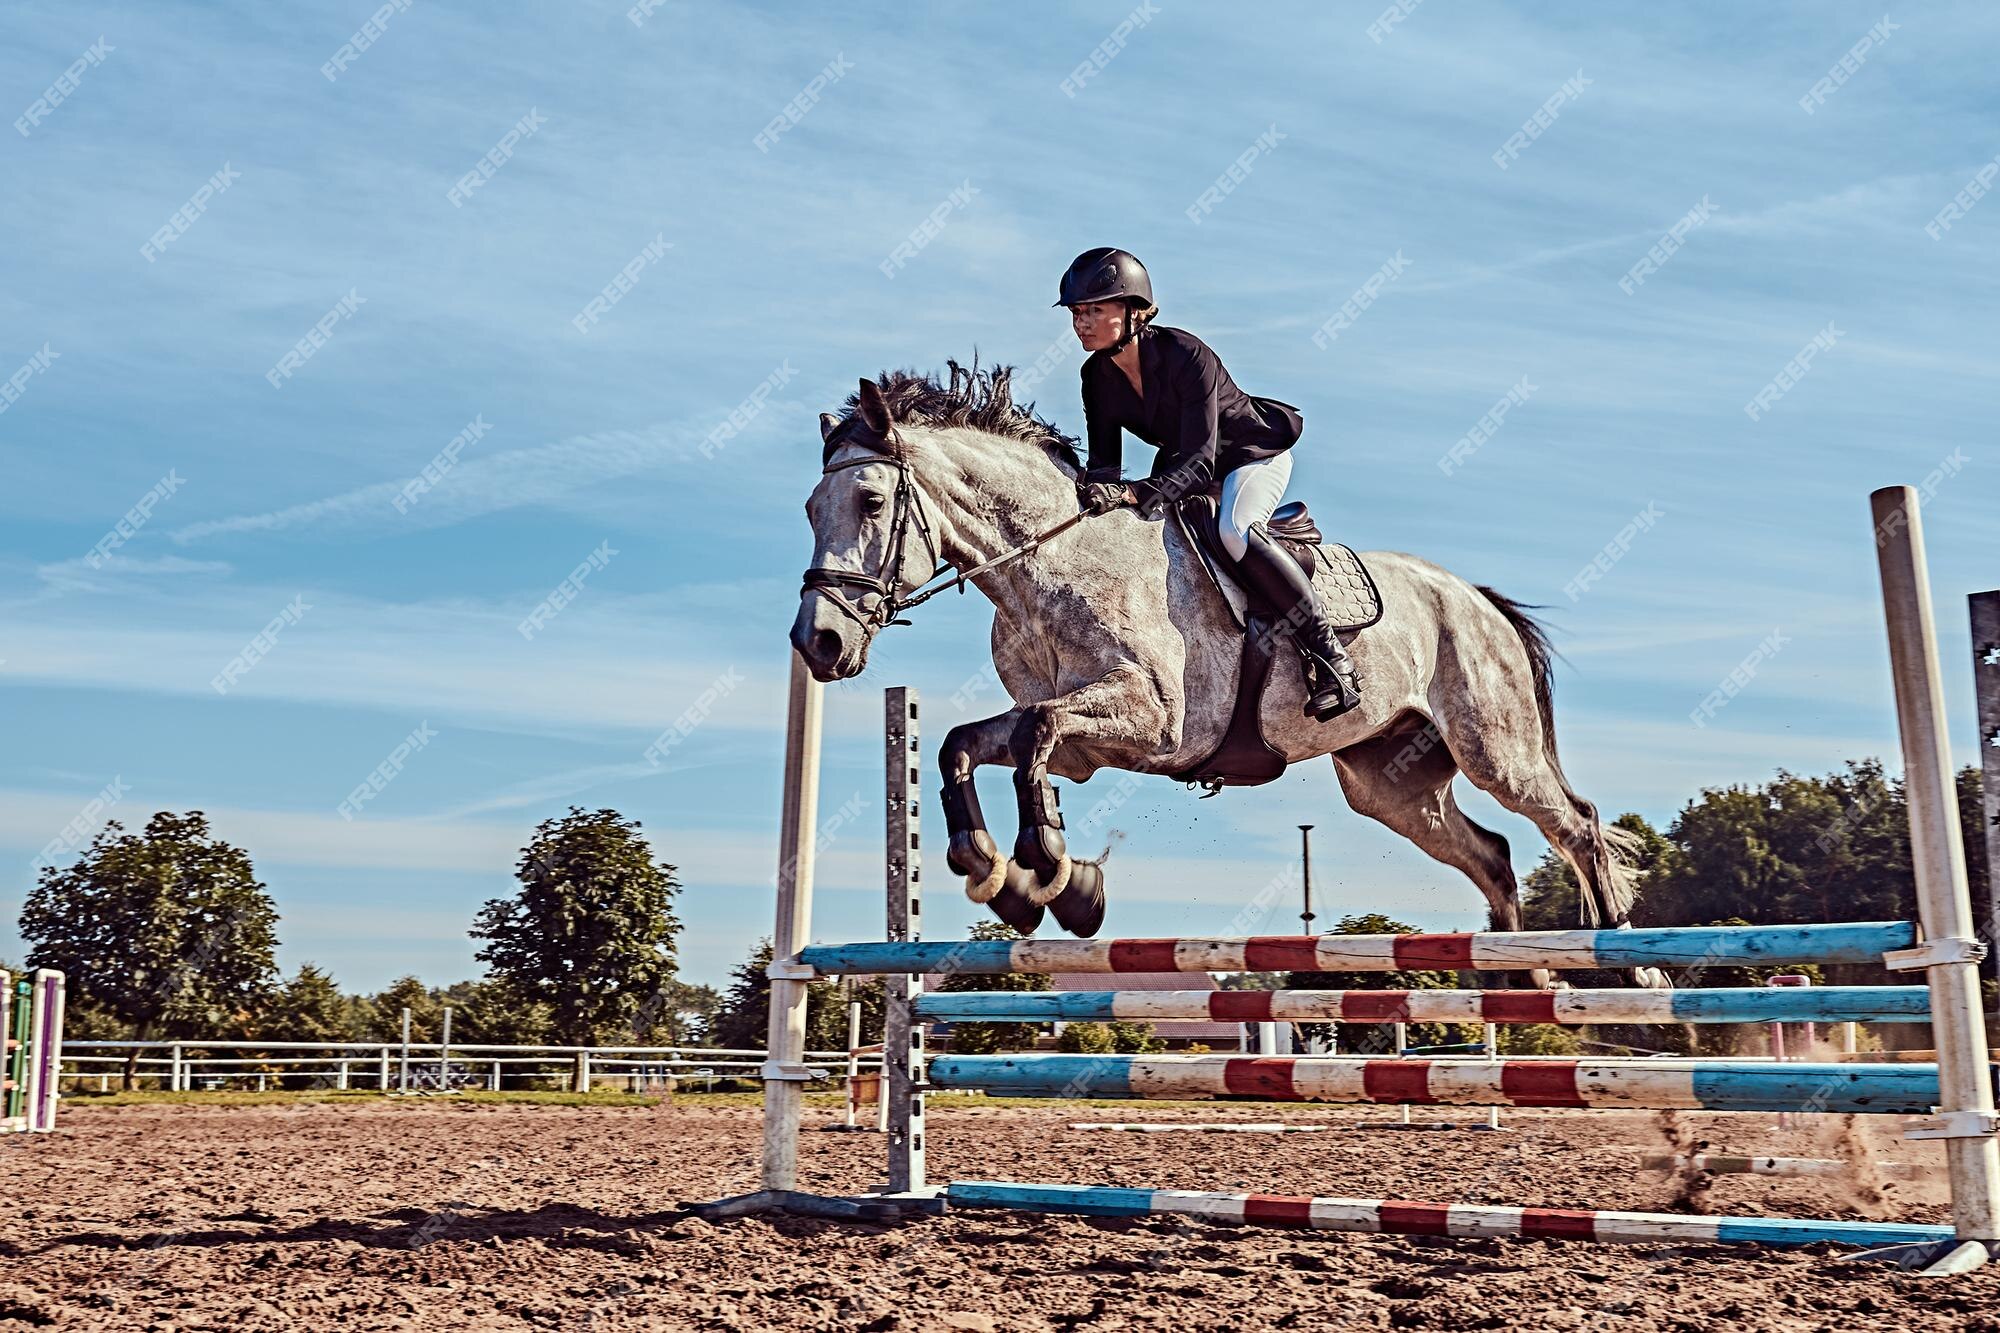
(1403, 778)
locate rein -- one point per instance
(889, 602)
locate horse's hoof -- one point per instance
(1651, 978)
(1080, 909)
(1012, 904)
(1043, 894)
(977, 857)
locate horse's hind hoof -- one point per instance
(1080, 909)
(1041, 893)
(1012, 904)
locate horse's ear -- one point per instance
(828, 424)
(874, 408)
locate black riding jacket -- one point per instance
(1192, 412)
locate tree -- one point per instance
(384, 1020)
(987, 1038)
(1372, 1036)
(309, 1008)
(743, 1019)
(591, 931)
(167, 931)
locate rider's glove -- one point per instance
(1100, 497)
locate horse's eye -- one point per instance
(871, 503)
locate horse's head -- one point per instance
(873, 538)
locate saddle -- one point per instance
(1348, 598)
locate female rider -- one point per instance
(1166, 387)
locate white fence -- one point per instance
(184, 1066)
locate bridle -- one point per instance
(906, 516)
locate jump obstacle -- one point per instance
(1953, 1096)
(31, 1014)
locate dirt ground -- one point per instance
(438, 1215)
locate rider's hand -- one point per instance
(1101, 497)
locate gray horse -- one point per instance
(1120, 653)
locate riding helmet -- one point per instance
(1105, 274)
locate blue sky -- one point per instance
(767, 265)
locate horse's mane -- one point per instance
(980, 399)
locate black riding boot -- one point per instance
(1277, 581)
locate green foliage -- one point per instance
(1135, 1038)
(591, 931)
(383, 1014)
(310, 1008)
(742, 1021)
(1551, 898)
(1367, 1038)
(1082, 1039)
(991, 1038)
(168, 932)
(1538, 1039)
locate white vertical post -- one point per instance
(176, 1072)
(581, 1078)
(785, 1044)
(1271, 1039)
(444, 1053)
(1851, 1040)
(1944, 902)
(405, 1084)
(853, 1055)
(493, 1083)
(1492, 1038)
(903, 1035)
(1402, 1038)
(340, 1076)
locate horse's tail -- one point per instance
(1619, 886)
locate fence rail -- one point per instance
(420, 1066)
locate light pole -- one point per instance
(1306, 848)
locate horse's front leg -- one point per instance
(1121, 718)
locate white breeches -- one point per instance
(1249, 494)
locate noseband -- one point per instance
(885, 587)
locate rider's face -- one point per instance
(1098, 324)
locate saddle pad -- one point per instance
(1347, 592)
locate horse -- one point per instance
(1119, 652)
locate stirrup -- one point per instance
(1323, 677)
